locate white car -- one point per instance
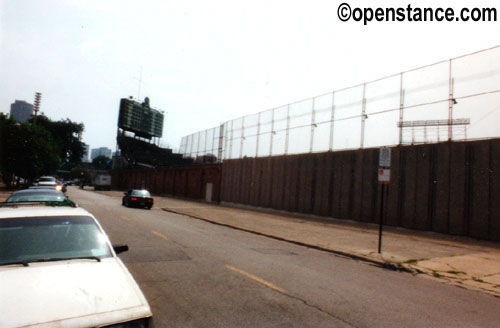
(50, 181)
(58, 269)
(47, 181)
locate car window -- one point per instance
(141, 193)
(35, 238)
(37, 196)
(47, 179)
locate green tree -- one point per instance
(101, 163)
(27, 151)
(67, 134)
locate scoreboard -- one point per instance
(141, 119)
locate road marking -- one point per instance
(159, 234)
(259, 280)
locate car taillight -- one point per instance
(133, 198)
(149, 200)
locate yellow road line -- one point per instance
(254, 277)
(159, 234)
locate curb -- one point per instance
(377, 262)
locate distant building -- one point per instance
(21, 111)
(103, 151)
(85, 157)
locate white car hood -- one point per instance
(78, 293)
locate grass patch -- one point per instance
(477, 279)
(455, 272)
(436, 274)
(414, 261)
(411, 261)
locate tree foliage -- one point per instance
(29, 151)
(67, 135)
(101, 163)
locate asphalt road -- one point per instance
(196, 274)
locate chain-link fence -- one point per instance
(455, 99)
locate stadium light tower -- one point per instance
(36, 106)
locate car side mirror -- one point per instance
(120, 248)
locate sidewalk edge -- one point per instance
(377, 262)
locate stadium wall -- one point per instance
(451, 188)
(186, 182)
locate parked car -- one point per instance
(47, 181)
(51, 181)
(138, 197)
(58, 269)
(36, 195)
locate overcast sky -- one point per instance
(206, 62)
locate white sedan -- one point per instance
(58, 269)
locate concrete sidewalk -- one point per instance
(460, 261)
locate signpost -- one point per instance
(384, 177)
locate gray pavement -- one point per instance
(198, 274)
(461, 261)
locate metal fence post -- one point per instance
(401, 107)
(206, 139)
(231, 140)
(272, 133)
(363, 117)
(221, 143)
(287, 128)
(242, 136)
(450, 104)
(226, 139)
(258, 134)
(332, 118)
(313, 125)
(191, 148)
(198, 145)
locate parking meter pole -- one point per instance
(381, 223)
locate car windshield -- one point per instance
(140, 193)
(37, 195)
(47, 179)
(38, 238)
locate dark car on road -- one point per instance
(137, 197)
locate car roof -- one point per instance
(41, 211)
(38, 191)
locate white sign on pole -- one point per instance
(384, 176)
(384, 159)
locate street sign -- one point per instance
(384, 158)
(384, 176)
